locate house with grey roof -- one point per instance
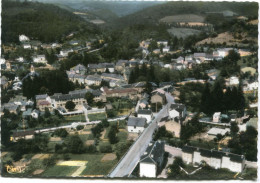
(145, 113)
(93, 80)
(136, 125)
(79, 69)
(152, 159)
(214, 158)
(59, 99)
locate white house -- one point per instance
(253, 86)
(65, 53)
(27, 46)
(216, 117)
(232, 80)
(215, 159)
(136, 125)
(166, 49)
(39, 59)
(223, 52)
(164, 43)
(145, 113)
(23, 38)
(215, 131)
(177, 110)
(152, 159)
(35, 113)
(20, 59)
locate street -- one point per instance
(131, 158)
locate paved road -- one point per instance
(129, 161)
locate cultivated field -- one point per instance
(253, 22)
(182, 18)
(225, 37)
(182, 32)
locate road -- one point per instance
(127, 164)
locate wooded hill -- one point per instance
(155, 13)
(45, 22)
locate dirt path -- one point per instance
(78, 171)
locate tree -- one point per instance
(174, 169)
(61, 132)
(105, 123)
(70, 105)
(74, 144)
(89, 97)
(234, 129)
(112, 134)
(105, 148)
(47, 113)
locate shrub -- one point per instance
(105, 148)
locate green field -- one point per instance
(182, 32)
(59, 171)
(75, 118)
(96, 117)
(94, 166)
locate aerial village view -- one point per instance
(129, 90)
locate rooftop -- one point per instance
(134, 121)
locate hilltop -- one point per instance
(153, 14)
(44, 22)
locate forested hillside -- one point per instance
(155, 13)
(44, 22)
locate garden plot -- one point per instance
(108, 157)
(182, 32)
(72, 163)
(182, 18)
(41, 156)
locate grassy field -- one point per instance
(76, 118)
(59, 171)
(182, 32)
(96, 117)
(182, 18)
(94, 166)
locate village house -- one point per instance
(158, 97)
(26, 46)
(93, 80)
(215, 159)
(23, 38)
(4, 82)
(145, 44)
(145, 113)
(152, 159)
(22, 135)
(232, 81)
(79, 69)
(177, 111)
(110, 76)
(65, 53)
(136, 125)
(39, 59)
(120, 65)
(215, 131)
(59, 99)
(125, 92)
(41, 105)
(162, 43)
(12, 107)
(200, 56)
(216, 117)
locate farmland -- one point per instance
(182, 32)
(182, 18)
(224, 38)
